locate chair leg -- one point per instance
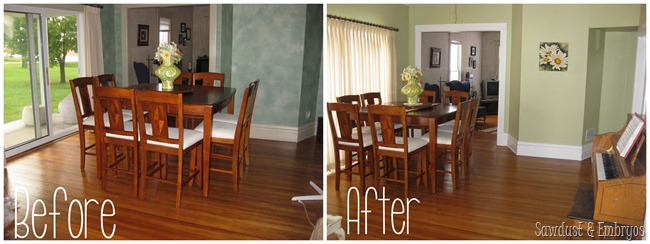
(143, 173)
(136, 172)
(179, 182)
(406, 178)
(348, 163)
(82, 146)
(362, 169)
(235, 173)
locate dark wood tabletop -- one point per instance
(195, 95)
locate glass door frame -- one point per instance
(45, 70)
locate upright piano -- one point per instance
(618, 190)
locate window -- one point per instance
(454, 60)
(163, 36)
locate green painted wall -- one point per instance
(514, 83)
(393, 15)
(111, 18)
(553, 103)
(309, 100)
(595, 56)
(618, 79)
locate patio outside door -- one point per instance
(31, 101)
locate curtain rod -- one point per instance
(95, 5)
(362, 22)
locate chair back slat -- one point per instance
(428, 96)
(353, 99)
(460, 124)
(245, 116)
(387, 116)
(82, 89)
(107, 80)
(343, 119)
(185, 78)
(456, 97)
(370, 98)
(112, 101)
(159, 106)
(208, 79)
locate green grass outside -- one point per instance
(17, 88)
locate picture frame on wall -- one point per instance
(474, 64)
(472, 51)
(469, 63)
(180, 38)
(434, 57)
(188, 33)
(183, 27)
(143, 35)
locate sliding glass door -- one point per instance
(34, 108)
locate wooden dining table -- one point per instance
(200, 101)
(426, 114)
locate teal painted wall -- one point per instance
(111, 17)
(311, 64)
(268, 44)
(224, 40)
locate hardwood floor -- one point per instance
(262, 210)
(504, 198)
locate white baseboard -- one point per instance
(283, 133)
(543, 150)
(512, 143)
(586, 151)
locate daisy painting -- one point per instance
(553, 56)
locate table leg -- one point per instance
(207, 141)
(433, 144)
(231, 105)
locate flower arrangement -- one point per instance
(412, 90)
(411, 73)
(168, 51)
(553, 56)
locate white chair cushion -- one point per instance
(225, 117)
(129, 112)
(127, 127)
(364, 130)
(444, 137)
(414, 144)
(367, 140)
(90, 120)
(447, 126)
(220, 129)
(190, 137)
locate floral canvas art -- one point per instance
(553, 56)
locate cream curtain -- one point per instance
(361, 59)
(93, 48)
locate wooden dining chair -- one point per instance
(158, 137)
(229, 141)
(353, 99)
(107, 80)
(185, 78)
(348, 137)
(455, 97)
(116, 132)
(398, 148)
(232, 118)
(82, 89)
(209, 79)
(474, 105)
(370, 98)
(452, 144)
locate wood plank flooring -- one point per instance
(504, 198)
(262, 210)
